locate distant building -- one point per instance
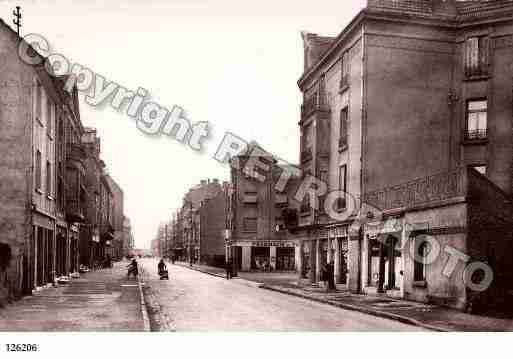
(257, 235)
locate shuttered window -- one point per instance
(477, 56)
(38, 170)
(343, 128)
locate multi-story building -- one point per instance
(409, 110)
(117, 219)
(257, 237)
(200, 224)
(42, 171)
(128, 238)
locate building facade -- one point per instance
(256, 235)
(41, 196)
(409, 112)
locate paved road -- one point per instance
(194, 301)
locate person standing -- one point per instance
(229, 269)
(330, 277)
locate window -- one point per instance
(250, 197)
(60, 194)
(476, 119)
(49, 118)
(38, 170)
(305, 203)
(250, 224)
(48, 178)
(342, 186)
(323, 177)
(307, 138)
(38, 100)
(421, 251)
(342, 142)
(480, 169)
(344, 80)
(476, 56)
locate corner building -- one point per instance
(415, 99)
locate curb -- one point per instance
(377, 313)
(246, 282)
(144, 310)
(201, 270)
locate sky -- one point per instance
(232, 63)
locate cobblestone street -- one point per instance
(194, 301)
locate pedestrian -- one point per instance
(161, 266)
(323, 275)
(133, 269)
(228, 269)
(330, 277)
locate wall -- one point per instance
(449, 227)
(212, 227)
(16, 155)
(408, 78)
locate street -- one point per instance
(194, 301)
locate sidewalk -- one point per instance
(102, 300)
(424, 315)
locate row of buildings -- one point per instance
(59, 207)
(196, 232)
(409, 113)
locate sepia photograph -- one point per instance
(289, 172)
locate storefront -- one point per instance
(264, 255)
(382, 257)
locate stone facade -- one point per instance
(410, 94)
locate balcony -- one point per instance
(75, 211)
(313, 104)
(476, 135)
(77, 152)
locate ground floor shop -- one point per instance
(318, 247)
(263, 255)
(52, 252)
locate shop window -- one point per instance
(477, 56)
(419, 270)
(477, 113)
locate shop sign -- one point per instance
(391, 225)
(272, 244)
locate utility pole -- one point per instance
(17, 20)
